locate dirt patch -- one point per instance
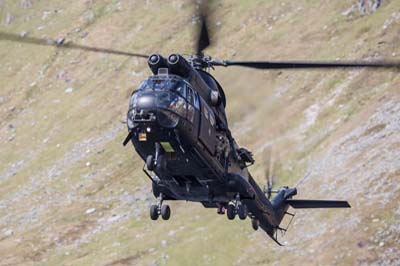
(374, 129)
(127, 261)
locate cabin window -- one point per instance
(196, 101)
(209, 115)
(212, 120)
(190, 113)
(205, 112)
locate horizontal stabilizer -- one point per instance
(306, 204)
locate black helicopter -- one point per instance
(178, 126)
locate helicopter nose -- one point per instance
(146, 101)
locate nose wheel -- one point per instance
(150, 164)
(158, 161)
(159, 209)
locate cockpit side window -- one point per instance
(143, 85)
(190, 96)
(181, 89)
(133, 101)
(190, 105)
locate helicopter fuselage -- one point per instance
(188, 155)
(178, 126)
(170, 122)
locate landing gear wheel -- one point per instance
(161, 163)
(150, 162)
(255, 224)
(154, 212)
(231, 212)
(165, 212)
(242, 212)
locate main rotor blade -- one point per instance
(203, 40)
(63, 45)
(309, 65)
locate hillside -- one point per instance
(71, 194)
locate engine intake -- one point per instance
(155, 62)
(179, 66)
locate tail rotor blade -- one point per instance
(268, 171)
(301, 180)
(275, 166)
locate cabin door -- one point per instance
(207, 127)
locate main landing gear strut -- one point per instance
(159, 209)
(236, 207)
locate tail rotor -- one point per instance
(270, 166)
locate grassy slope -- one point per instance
(46, 186)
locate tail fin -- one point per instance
(283, 200)
(307, 204)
